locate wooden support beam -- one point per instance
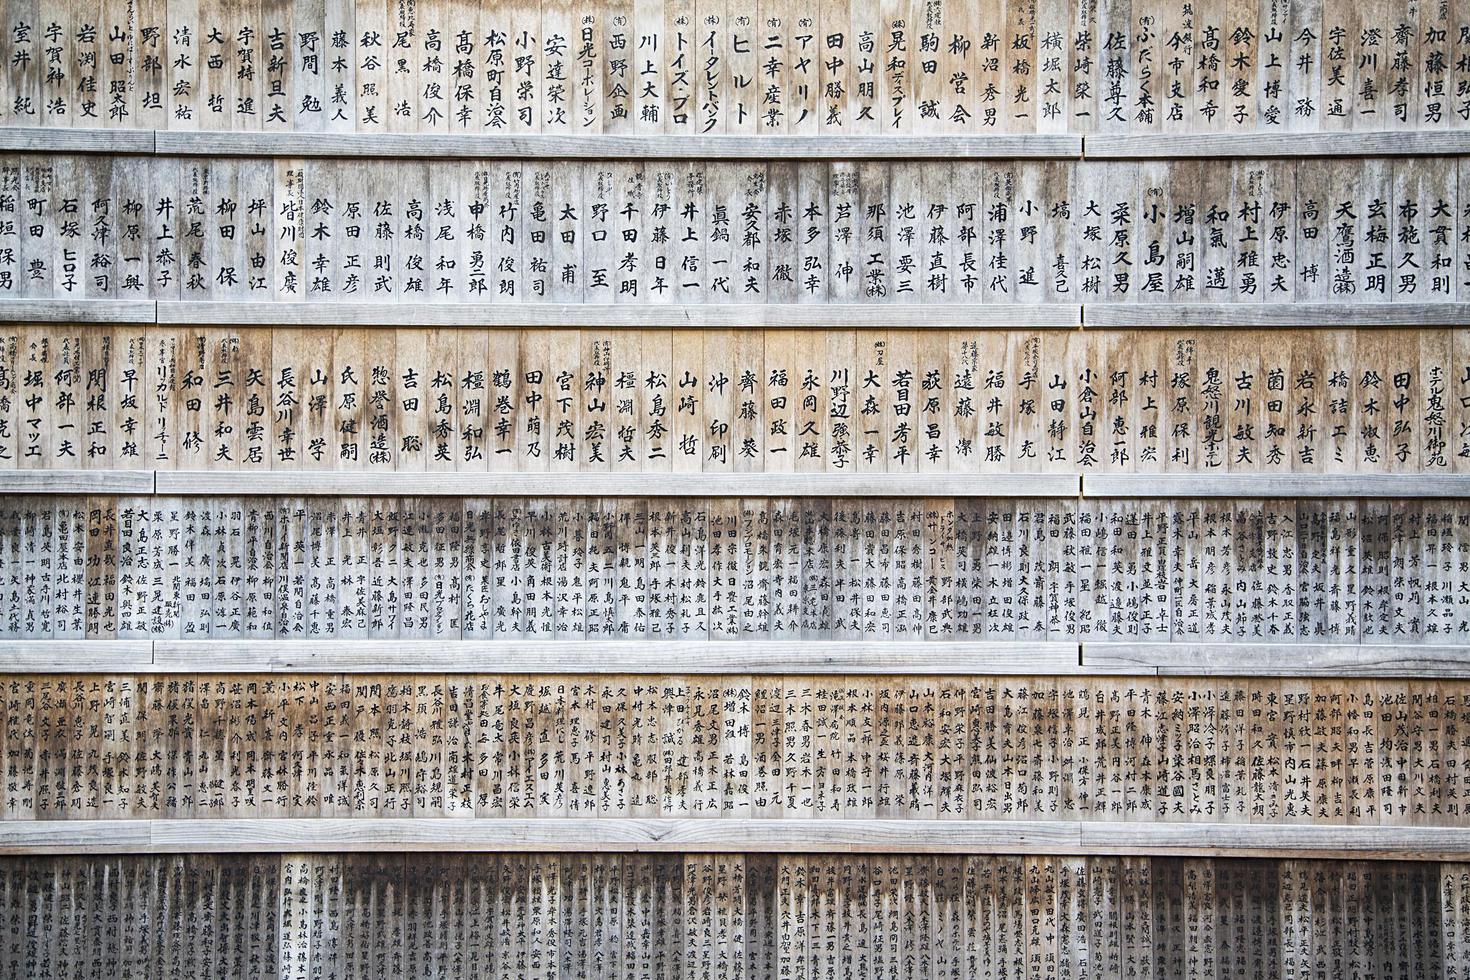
(730, 836)
(76, 481)
(38, 139)
(1260, 145)
(1267, 315)
(1259, 485)
(305, 483)
(1277, 660)
(77, 310)
(804, 657)
(75, 656)
(632, 316)
(1004, 146)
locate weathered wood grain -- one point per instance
(1264, 660)
(76, 481)
(1264, 145)
(630, 484)
(552, 146)
(630, 316)
(735, 657)
(1240, 485)
(655, 835)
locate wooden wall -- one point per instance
(709, 489)
(719, 916)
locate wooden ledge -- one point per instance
(731, 836)
(1271, 485)
(309, 483)
(37, 139)
(808, 658)
(633, 316)
(76, 481)
(75, 656)
(1277, 660)
(593, 656)
(1335, 315)
(78, 311)
(454, 146)
(1239, 145)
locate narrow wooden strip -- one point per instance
(76, 481)
(1176, 315)
(284, 483)
(1278, 660)
(613, 657)
(76, 836)
(852, 315)
(74, 656)
(621, 147)
(1384, 485)
(730, 836)
(77, 310)
(1275, 840)
(30, 139)
(1256, 145)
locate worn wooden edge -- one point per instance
(1239, 145)
(631, 316)
(1229, 315)
(36, 139)
(76, 481)
(78, 311)
(1277, 659)
(815, 657)
(611, 146)
(285, 483)
(74, 656)
(1276, 840)
(733, 836)
(1257, 485)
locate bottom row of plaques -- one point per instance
(728, 916)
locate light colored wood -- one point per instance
(1273, 660)
(76, 481)
(1271, 315)
(74, 656)
(279, 483)
(729, 836)
(1257, 145)
(25, 139)
(585, 657)
(1248, 485)
(549, 146)
(77, 310)
(639, 316)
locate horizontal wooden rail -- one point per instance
(1258, 145)
(78, 311)
(616, 147)
(607, 146)
(1338, 315)
(817, 657)
(77, 481)
(946, 316)
(38, 139)
(309, 483)
(635, 316)
(75, 656)
(1276, 660)
(1259, 485)
(811, 657)
(730, 836)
